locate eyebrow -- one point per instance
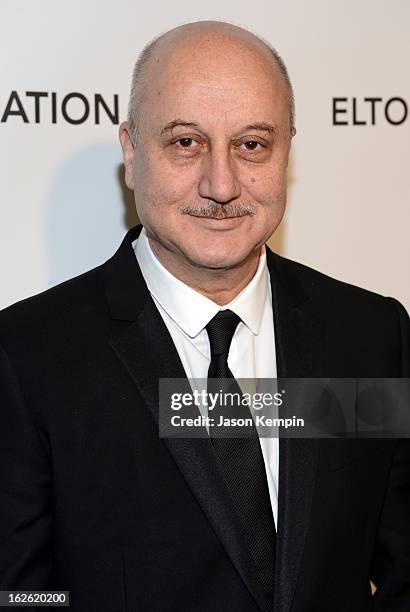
(258, 127)
(262, 127)
(178, 122)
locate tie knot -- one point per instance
(221, 330)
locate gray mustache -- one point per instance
(214, 210)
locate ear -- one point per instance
(128, 153)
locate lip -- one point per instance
(220, 224)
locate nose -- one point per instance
(218, 181)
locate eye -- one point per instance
(251, 145)
(253, 148)
(186, 143)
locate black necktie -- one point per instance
(241, 459)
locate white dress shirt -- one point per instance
(186, 313)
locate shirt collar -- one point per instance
(174, 295)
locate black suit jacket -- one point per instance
(94, 502)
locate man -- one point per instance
(93, 500)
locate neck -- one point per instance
(220, 285)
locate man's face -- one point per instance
(209, 167)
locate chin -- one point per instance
(219, 259)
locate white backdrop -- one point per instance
(63, 208)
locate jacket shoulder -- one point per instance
(70, 299)
(347, 308)
(318, 285)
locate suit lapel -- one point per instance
(147, 352)
(299, 345)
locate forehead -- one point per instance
(215, 79)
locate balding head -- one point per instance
(200, 42)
